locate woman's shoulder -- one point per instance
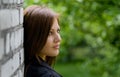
(40, 71)
(35, 71)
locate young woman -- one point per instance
(41, 41)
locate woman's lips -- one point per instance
(56, 46)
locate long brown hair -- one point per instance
(37, 24)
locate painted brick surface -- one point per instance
(12, 41)
(1, 48)
(21, 15)
(6, 67)
(7, 1)
(15, 17)
(21, 56)
(18, 1)
(7, 45)
(15, 61)
(22, 34)
(0, 2)
(5, 14)
(11, 38)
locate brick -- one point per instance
(12, 41)
(22, 1)
(21, 40)
(5, 19)
(22, 35)
(5, 1)
(15, 1)
(15, 62)
(11, 1)
(17, 38)
(0, 2)
(1, 47)
(16, 75)
(7, 45)
(7, 67)
(18, 2)
(15, 17)
(21, 73)
(21, 56)
(10, 66)
(8, 1)
(21, 15)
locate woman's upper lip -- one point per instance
(56, 46)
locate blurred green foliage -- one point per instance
(90, 31)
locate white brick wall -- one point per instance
(1, 48)
(11, 38)
(21, 56)
(18, 38)
(5, 13)
(15, 17)
(0, 2)
(15, 62)
(8, 1)
(22, 34)
(10, 66)
(12, 41)
(18, 1)
(17, 75)
(21, 15)
(7, 45)
(21, 1)
(7, 67)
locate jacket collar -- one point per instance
(40, 62)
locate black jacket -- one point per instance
(36, 69)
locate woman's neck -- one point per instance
(43, 57)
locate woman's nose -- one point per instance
(57, 38)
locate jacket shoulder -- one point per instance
(34, 71)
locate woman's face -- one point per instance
(52, 45)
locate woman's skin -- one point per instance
(52, 45)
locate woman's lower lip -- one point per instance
(57, 47)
